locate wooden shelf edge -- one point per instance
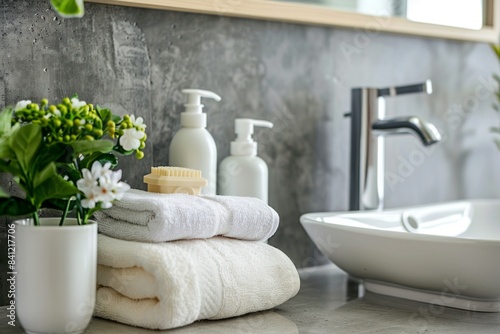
(317, 15)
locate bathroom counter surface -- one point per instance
(327, 302)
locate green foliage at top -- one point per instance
(68, 8)
(496, 106)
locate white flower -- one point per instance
(89, 202)
(87, 183)
(139, 122)
(99, 170)
(22, 104)
(130, 140)
(87, 186)
(77, 104)
(104, 193)
(119, 188)
(56, 112)
(111, 188)
(101, 185)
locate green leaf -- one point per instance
(495, 129)
(25, 143)
(5, 122)
(104, 113)
(15, 206)
(9, 167)
(496, 48)
(70, 171)
(107, 157)
(58, 152)
(5, 150)
(87, 147)
(68, 8)
(121, 150)
(4, 194)
(54, 188)
(43, 175)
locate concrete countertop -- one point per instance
(327, 302)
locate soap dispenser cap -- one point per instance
(193, 117)
(244, 144)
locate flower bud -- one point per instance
(69, 123)
(52, 108)
(67, 138)
(88, 127)
(98, 123)
(89, 138)
(142, 146)
(139, 154)
(44, 102)
(77, 122)
(98, 132)
(56, 122)
(66, 101)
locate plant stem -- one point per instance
(65, 212)
(36, 220)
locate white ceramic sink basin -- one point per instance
(446, 254)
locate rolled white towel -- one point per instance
(172, 284)
(152, 217)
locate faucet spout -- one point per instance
(424, 130)
(369, 127)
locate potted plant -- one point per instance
(63, 156)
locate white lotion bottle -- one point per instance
(193, 146)
(243, 173)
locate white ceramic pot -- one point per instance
(56, 275)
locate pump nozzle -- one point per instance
(244, 144)
(193, 116)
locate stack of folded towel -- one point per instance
(167, 260)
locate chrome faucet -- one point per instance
(368, 130)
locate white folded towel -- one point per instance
(152, 217)
(172, 284)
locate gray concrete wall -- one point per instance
(299, 77)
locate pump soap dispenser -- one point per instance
(243, 173)
(193, 146)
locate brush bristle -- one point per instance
(175, 171)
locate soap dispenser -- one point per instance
(193, 146)
(243, 173)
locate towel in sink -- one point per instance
(152, 217)
(172, 284)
